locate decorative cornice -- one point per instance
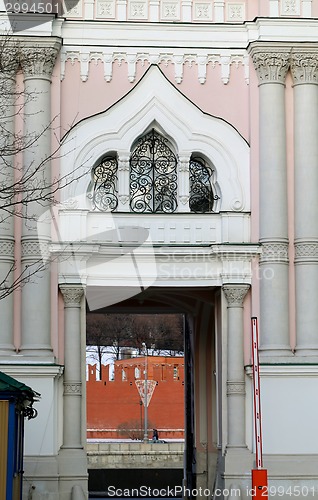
(271, 66)
(306, 252)
(235, 294)
(276, 252)
(72, 295)
(304, 67)
(226, 59)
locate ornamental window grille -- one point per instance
(202, 197)
(104, 185)
(153, 175)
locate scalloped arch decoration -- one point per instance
(155, 99)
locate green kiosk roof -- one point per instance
(10, 384)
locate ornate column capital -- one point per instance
(72, 295)
(304, 66)
(235, 294)
(38, 60)
(123, 161)
(270, 63)
(9, 59)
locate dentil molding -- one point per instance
(108, 57)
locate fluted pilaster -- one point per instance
(235, 295)
(271, 64)
(304, 68)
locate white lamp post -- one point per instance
(146, 393)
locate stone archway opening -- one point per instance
(200, 308)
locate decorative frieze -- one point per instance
(170, 11)
(105, 9)
(137, 10)
(6, 249)
(271, 67)
(275, 252)
(235, 12)
(224, 59)
(202, 11)
(235, 388)
(73, 8)
(306, 252)
(35, 249)
(72, 388)
(290, 7)
(304, 67)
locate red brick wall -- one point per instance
(112, 402)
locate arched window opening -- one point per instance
(153, 175)
(104, 185)
(202, 197)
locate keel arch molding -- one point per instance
(154, 101)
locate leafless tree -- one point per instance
(108, 334)
(26, 189)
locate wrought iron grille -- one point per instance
(202, 197)
(153, 176)
(104, 192)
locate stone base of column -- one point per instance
(239, 462)
(307, 352)
(7, 350)
(40, 478)
(38, 354)
(73, 483)
(277, 351)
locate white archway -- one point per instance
(155, 100)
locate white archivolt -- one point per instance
(155, 100)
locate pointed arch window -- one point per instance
(153, 175)
(104, 185)
(202, 196)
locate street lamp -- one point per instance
(146, 393)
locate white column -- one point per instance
(271, 64)
(184, 182)
(37, 62)
(304, 67)
(9, 60)
(72, 455)
(123, 182)
(235, 365)
(72, 421)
